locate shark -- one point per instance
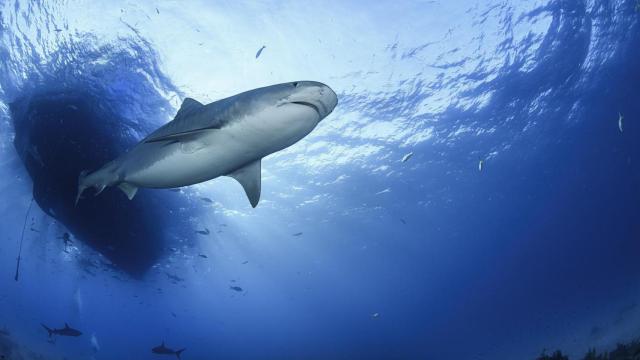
(228, 137)
(163, 350)
(65, 331)
(174, 277)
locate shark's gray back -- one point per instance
(193, 116)
(190, 118)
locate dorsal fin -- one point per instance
(188, 106)
(66, 326)
(186, 124)
(250, 178)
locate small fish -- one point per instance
(480, 165)
(173, 314)
(206, 199)
(173, 277)
(260, 51)
(403, 221)
(158, 11)
(407, 157)
(297, 234)
(375, 315)
(236, 288)
(245, 262)
(203, 232)
(620, 120)
(203, 256)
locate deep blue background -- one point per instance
(538, 250)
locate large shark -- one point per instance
(65, 331)
(228, 137)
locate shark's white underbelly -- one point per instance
(216, 152)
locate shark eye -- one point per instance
(295, 84)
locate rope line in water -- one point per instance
(24, 226)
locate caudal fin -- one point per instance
(81, 184)
(48, 330)
(180, 352)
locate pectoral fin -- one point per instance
(128, 189)
(250, 178)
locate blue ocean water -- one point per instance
(512, 228)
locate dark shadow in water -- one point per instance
(57, 136)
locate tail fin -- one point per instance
(180, 352)
(48, 330)
(81, 184)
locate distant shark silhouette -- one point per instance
(66, 331)
(163, 350)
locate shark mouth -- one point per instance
(313, 106)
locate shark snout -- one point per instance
(315, 95)
(328, 99)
